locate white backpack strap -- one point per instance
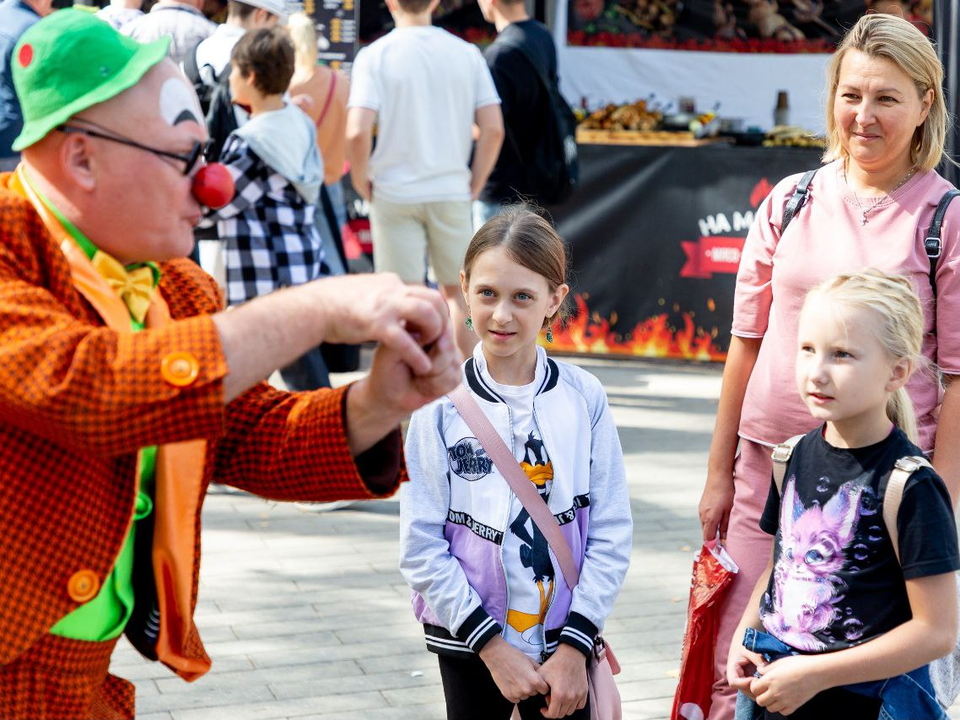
(893, 495)
(781, 456)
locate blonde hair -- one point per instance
(897, 40)
(303, 34)
(899, 327)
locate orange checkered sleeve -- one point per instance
(293, 447)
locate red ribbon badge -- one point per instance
(710, 255)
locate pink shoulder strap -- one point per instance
(326, 104)
(517, 480)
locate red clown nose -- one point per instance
(213, 186)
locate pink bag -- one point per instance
(604, 698)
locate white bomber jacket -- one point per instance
(455, 509)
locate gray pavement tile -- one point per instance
(646, 710)
(415, 696)
(199, 695)
(333, 653)
(153, 716)
(392, 632)
(432, 711)
(321, 685)
(417, 659)
(648, 689)
(286, 708)
(263, 645)
(210, 616)
(288, 673)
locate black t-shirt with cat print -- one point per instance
(836, 580)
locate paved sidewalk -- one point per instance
(306, 616)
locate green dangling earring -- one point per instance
(549, 335)
(469, 322)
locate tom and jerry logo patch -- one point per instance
(469, 460)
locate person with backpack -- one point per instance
(425, 89)
(872, 205)
(537, 160)
(207, 66)
(858, 598)
(180, 20)
(269, 228)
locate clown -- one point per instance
(126, 390)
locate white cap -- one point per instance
(277, 7)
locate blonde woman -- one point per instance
(328, 91)
(869, 206)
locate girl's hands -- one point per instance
(741, 665)
(566, 674)
(715, 505)
(786, 684)
(514, 673)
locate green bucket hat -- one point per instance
(69, 61)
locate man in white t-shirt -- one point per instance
(241, 17)
(425, 89)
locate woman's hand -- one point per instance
(514, 673)
(566, 674)
(715, 505)
(787, 683)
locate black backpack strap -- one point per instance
(933, 244)
(797, 200)
(224, 77)
(525, 51)
(190, 67)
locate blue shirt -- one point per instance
(15, 17)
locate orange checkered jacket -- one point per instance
(77, 401)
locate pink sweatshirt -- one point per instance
(824, 239)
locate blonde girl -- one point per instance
(837, 625)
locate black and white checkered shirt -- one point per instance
(269, 230)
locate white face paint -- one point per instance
(178, 103)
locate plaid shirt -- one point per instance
(271, 237)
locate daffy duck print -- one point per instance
(532, 587)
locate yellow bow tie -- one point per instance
(135, 287)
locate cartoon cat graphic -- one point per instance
(811, 553)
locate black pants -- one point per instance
(472, 694)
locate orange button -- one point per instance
(180, 369)
(83, 586)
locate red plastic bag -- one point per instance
(713, 571)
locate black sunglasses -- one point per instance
(199, 149)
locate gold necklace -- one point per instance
(882, 200)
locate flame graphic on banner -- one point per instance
(652, 338)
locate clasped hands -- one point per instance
(562, 678)
(782, 686)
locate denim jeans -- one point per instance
(906, 697)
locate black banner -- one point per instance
(336, 22)
(655, 235)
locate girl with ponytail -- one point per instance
(836, 620)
